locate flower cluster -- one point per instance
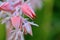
(12, 13)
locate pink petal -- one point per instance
(15, 21)
(28, 11)
(6, 7)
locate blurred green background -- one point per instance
(48, 19)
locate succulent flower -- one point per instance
(5, 6)
(28, 11)
(17, 25)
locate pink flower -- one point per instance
(15, 21)
(28, 11)
(5, 6)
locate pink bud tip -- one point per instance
(28, 11)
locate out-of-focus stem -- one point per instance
(47, 16)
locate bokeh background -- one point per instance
(48, 19)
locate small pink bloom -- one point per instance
(15, 21)
(28, 11)
(6, 7)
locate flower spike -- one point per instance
(12, 12)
